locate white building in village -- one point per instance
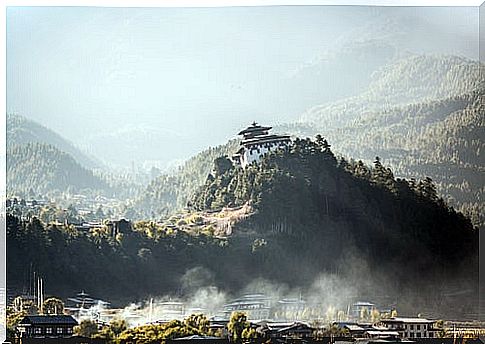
(256, 143)
(411, 327)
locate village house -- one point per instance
(290, 308)
(282, 330)
(367, 330)
(171, 310)
(411, 328)
(45, 326)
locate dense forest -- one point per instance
(313, 214)
(35, 169)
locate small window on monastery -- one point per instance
(59, 330)
(37, 330)
(48, 330)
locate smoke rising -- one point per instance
(326, 296)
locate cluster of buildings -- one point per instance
(60, 329)
(26, 209)
(260, 311)
(89, 208)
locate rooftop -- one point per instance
(48, 319)
(264, 138)
(363, 303)
(354, 327)
(383, 333)
(254, 127)
(409, 320)
(198, 337)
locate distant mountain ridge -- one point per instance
(21, 130)
(35, 169)
(414, 79)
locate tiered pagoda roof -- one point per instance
(254, 130)
(257, 134)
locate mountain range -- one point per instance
(421, 114)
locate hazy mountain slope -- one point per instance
(35, 169)
(170, 192)
(336, 73)
(139, 144)
(21, 130)
(413, 79)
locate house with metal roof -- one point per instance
(411, 328)
(278, 330)
(46, 326)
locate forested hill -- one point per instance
(21, 130)
(170, 192)
(34, 169)
(315, 222)
(313, 211)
